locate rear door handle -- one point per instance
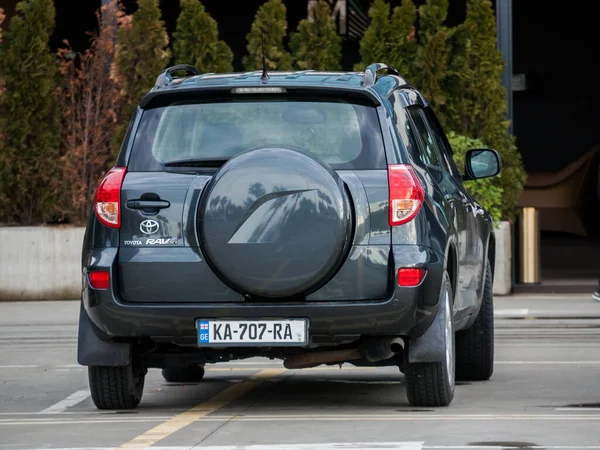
(148, 204)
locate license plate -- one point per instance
(284, 332)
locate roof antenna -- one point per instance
(265, 76)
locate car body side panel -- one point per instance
(442, 221)
(375, 184)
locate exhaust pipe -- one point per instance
(306, 360)
(373, 350)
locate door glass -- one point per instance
(445, 151)
(429, 154)
(405, 128)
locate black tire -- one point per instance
(116, 387)
(431, 384)
(183, 374)
(475, 345)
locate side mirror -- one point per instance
(482, 163)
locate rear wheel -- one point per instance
(475, 345)
(432, 383)
(118, 387)
(183, 374)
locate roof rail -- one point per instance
(371, 73)
(166, 77)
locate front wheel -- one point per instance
(432, 383)
(118, 387)
(475, 345)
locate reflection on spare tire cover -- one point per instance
(275, 222)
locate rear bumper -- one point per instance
(409, 311)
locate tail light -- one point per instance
(410, 277)
(99, 280)
(108, 198)
(406, 193)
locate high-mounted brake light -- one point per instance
(410, 277)
(108, 198)
(259, 90)
(99, 280)
(406, 193)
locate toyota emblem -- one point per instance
(149, 226)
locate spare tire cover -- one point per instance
(275, 222)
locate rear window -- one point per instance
(341, 134)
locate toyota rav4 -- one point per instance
(313, 217)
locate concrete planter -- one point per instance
(40, 263)
(503, 274)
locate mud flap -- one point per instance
(431, 346)
(94, 351)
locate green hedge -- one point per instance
(458, 69)
(488, 192)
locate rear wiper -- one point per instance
(204, 162)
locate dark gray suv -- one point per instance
(314, 217)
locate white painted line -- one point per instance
(19, 366)
(64, 417)
(511, 312)
(64, 413)
(580, 409)
(369, 446)
(547, 362)
(71, 400)
(504, 447)
(311, 446)
(93, 448)
(62, 420)
(245, 363)
(332, 446)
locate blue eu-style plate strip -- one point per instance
(203, 332)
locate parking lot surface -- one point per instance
(545, 394)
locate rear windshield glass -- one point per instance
(341, 134)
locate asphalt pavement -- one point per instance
(544, 393)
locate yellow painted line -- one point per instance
(165, 429)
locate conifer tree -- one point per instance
(390, 40)
(478, 107)
(196, 40)
(432, 61)
(141, 54)
(29, 115)
(403, 39)
(1, 82)
(269, 24)
(316, 45)
(374, 45)
(90, 101)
